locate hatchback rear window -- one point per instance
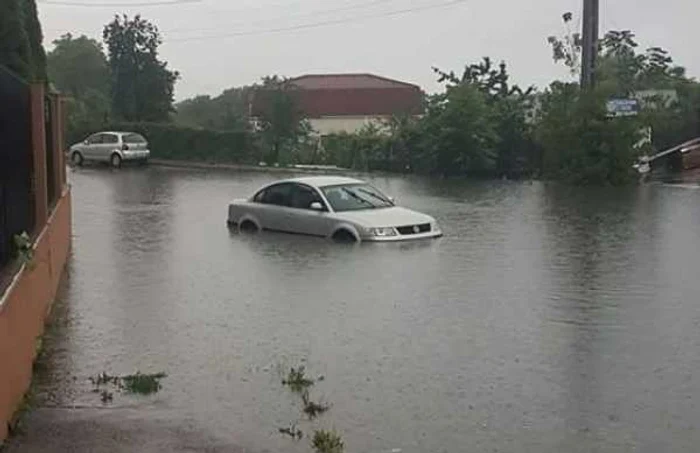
(134, 138)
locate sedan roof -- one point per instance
(323, 181)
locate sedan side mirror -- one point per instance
(317, 206)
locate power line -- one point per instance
(117, 5)
(320, 24)
(350, 7)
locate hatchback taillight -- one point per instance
(125, 147)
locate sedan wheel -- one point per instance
(344, 237)
(248, 227)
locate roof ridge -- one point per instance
(353, 74)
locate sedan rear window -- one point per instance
(134, 138)
(279, 195)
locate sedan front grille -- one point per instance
(414, 229)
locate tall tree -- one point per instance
(568, 48)
(580, 144)
(142, 86)
(458, 134)
(20, 39)
(36, 38)
(283, 127)
(78, 65)
(228, 111)
(507, 107)
(78, 68)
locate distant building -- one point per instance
(348, 102)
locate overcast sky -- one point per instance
(217, 44)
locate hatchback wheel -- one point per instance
(115, 161)
(76, 158)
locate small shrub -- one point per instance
(327, 442)
(23, 246)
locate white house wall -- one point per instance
(349, 124)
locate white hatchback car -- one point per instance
(344, 209)
(112, 147)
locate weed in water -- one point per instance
(104, 379)
(143, 384)
(16, 425)
(312, 409)
(106, 396)
(297, 380)
(327, 442)
(292, 431)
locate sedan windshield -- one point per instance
(353, 197)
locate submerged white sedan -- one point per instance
(344, 209)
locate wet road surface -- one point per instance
(547, 319)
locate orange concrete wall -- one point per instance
(25, 305)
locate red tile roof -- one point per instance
(347, 81)
(351, 95)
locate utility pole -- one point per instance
(591, 14)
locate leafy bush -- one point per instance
(580, 144)
(327, 442)
(169, 141)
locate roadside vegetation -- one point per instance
(480, 124)
(139, 384)
(322, 441)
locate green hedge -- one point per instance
(169, 141)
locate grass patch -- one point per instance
(327, 442)
(139, 383)
(143, 384)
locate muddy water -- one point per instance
(546, 320)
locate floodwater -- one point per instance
(548, 319)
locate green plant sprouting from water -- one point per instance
(297, 380)
(313, 409)
(292, 431)
(327, 442)
(139, 383)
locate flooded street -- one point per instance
(547, 319)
